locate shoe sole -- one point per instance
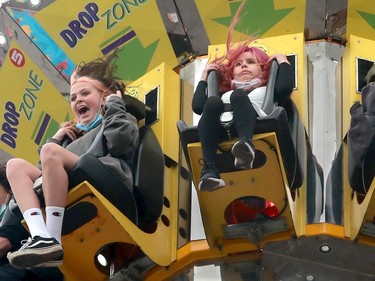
(243, 157)
(210, 184)
(50, 264)
(35, 257)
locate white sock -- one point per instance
(35, 222)
(54, 221)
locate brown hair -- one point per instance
(102, 70)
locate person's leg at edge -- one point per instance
(210, 133)
(21, 176)
(244, 117)
(56, 161)
(44, 247)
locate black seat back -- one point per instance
(149, 176)
(212, 83)
(269, 102)
(361, 141)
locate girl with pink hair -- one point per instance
(243, 73)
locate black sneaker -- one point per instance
(244, 154)
(36, 251)
(210, 179)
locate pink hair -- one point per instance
(233, 52)
(96, 83)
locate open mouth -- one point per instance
(82, 110)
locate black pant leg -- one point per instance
(244, 114)
(10, 273)
(209, 128)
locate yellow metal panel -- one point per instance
(91, 27)
(160, 246)
(169, 105)
(209, 10)
(333, 230)
(268, 182)
(290, 21)
(32, 108)
(294, 22)
(361, 19)
(81, 245)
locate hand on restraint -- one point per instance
(209, 67)
(280, 58)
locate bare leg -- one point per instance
(21, 175)
(56, 161)
(44, 248)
